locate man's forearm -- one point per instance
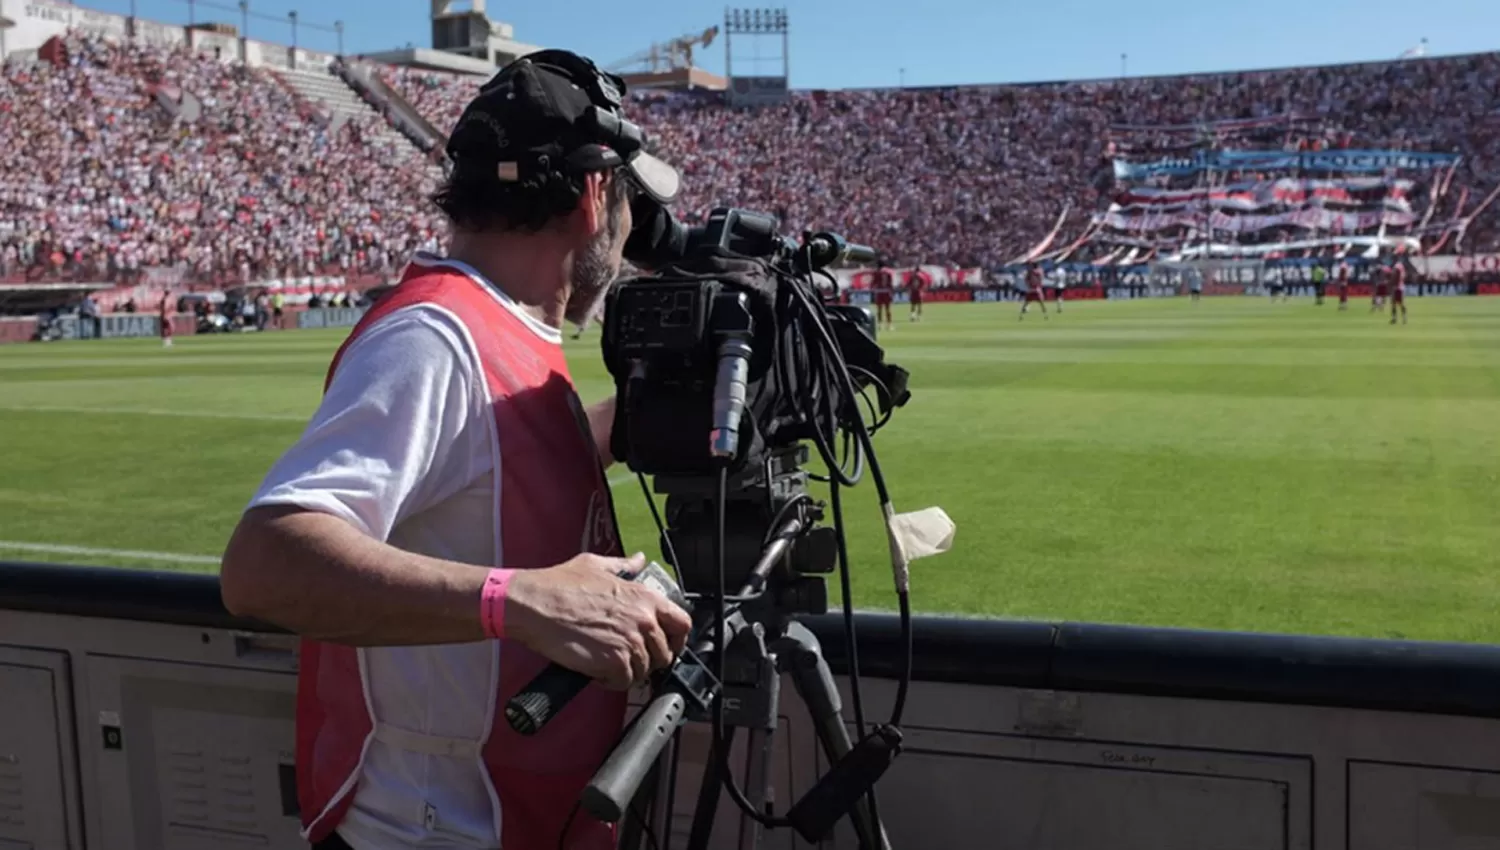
(318, 576)
(601, 424)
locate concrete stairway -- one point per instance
(326, 91)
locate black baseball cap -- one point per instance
(555, 111)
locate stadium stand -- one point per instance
(247, 173)
(977, 176)
(139, 156)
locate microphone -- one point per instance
(829, 249)
(732, 317)
(553, 688)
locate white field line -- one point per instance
(134, 554)
(162, 557)
(614, 480)
(136, 411)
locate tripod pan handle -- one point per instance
(537, 703)
(613, 787)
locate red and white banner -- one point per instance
(1358, 191)
(1458, 266)
(938, 277)
(1312, 218)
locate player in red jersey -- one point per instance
(882, 287)
(1341, 277)
(443, 528)
(1382, 287)
(1397, 274)
(166, 320)
(916, 285)
(1033, 294)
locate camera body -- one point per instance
(724, 361)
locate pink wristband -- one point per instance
(492, 602)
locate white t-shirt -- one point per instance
(401, 449)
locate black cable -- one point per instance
(851, 645)
(721, 752)
(877, 419)
(819, 366)
(862, 434)
(851, 642)
(562, 839)
(904, 600)
(645, 826)
(794, 502)
(666, 539)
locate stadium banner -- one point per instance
(329, 317)
(1331, 160)
(1252, 195)
(866, 298)
(111, 326)
(938, 277)
(1472, 268)
(1222, 125)
(758, 91)
(17, 328)
(1312, 218)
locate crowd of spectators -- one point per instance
(113, 177)
(976, 176)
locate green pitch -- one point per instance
(1231, 464)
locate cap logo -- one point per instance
(501, 140)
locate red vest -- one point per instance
(553, 503)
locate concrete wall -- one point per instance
(125, 691)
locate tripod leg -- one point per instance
(632, 826)
(802, 656)
(651, 809)
(757, 772)
(708, 796)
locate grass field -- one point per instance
(1231, 464)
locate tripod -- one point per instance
(760, 643)
(751, 697)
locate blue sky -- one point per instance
(857, 43)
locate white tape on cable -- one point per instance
(914, 535)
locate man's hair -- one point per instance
(478, 201)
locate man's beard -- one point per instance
(593, 272)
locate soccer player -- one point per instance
(166, 320)
(1060, 287)
(1397, 273)
(1343, 284)
(1033, 291)
(1381, 275)
(1276, 288)
(1319, 282)
(1195, 283)
(881, 288)
(915, 286)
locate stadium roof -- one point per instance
(437, 60)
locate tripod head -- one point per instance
(767, 504)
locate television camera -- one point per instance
(728, 360)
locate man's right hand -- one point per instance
(582, 615)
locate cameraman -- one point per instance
(443, 528)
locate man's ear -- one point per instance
(594, 205)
